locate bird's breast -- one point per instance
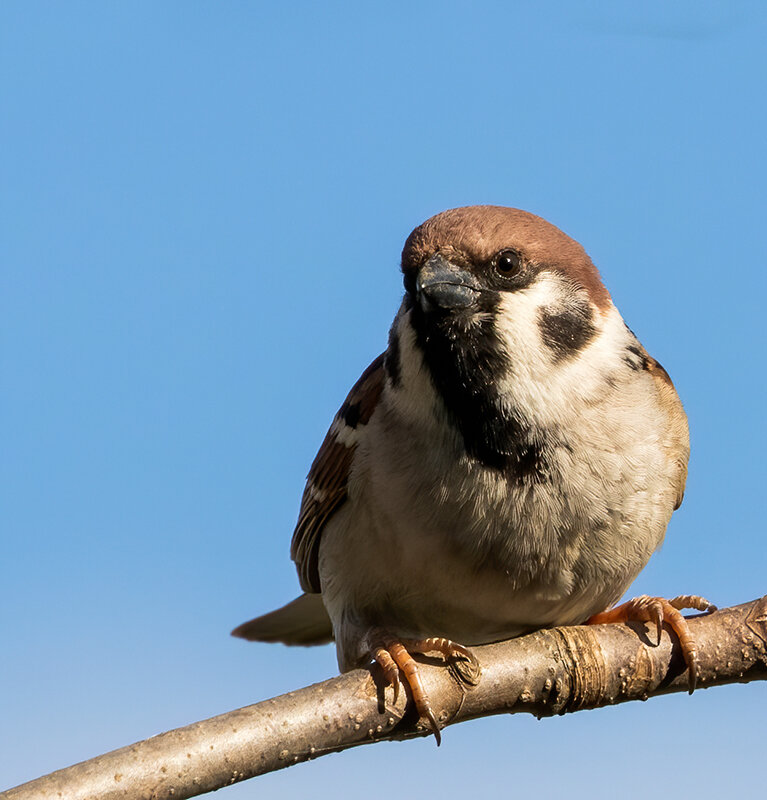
(431, 542)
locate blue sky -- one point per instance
(201, 215)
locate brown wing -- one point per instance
(677, 440)
(326, 484)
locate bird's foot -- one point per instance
(395, 657)
(660, 610)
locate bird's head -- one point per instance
(503, 308)
(469, 261)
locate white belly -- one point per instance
(433, 559)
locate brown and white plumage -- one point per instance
(327, 483)
(510, 462)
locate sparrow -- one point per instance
(509, 463)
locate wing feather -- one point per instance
(326, 485)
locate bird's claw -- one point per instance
(659, 610)
(394, 656)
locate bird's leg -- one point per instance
(394, 655)
(660, 610)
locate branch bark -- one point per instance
(549, 672)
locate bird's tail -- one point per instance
(303, 621)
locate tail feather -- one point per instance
(303, 621)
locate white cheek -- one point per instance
(547, 390)
(517, 326)
(414, 397)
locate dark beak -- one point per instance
(442, 284)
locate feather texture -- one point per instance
(326, 484)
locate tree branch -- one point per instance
(548, 672)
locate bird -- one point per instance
(509, 463)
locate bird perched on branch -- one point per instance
(509, 463)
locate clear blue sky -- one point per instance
(202, 210)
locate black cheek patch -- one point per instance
(566, 332)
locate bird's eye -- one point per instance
(507, 263)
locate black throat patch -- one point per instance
(465, 357)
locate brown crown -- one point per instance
(477, 233)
